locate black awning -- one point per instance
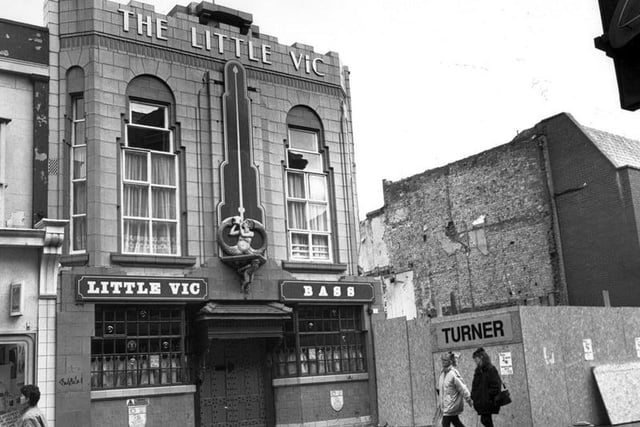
(241, 321)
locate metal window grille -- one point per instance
(322, 340)
(138, 346)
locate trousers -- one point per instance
(486, 420)
(447, 420)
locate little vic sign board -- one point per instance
(113, 288)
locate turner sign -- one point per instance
(113, 288)
(475, 332)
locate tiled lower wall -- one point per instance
(342, 422)
(46, 346)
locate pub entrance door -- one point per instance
(236, 384)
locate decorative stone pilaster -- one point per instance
(46, 350)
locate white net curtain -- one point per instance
(150, 205)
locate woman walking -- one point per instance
(485, 387)
(451, 392)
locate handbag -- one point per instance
(504, 397)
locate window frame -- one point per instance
(307, 200)
(284, 366)
(181, 372)
(148, 183)
(29, 356)
(72, 180)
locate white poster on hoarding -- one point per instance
(587, 346)
(137, 412)
(506, 363)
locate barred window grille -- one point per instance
(138, 346)
(322, 340)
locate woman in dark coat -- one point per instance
(485, 387)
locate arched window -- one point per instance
(150, 171)
(308, 214)
(78, 167)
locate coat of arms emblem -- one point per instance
(337, 400)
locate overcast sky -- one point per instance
(437, 80)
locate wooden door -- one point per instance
(233, 386)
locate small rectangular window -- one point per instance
(138, 346)
(15, 370)
(148, 127)
(303, 140)
(330, 340)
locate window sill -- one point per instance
(313, 267)
(142, 392)
(320, 379)
(74, 259)
(153, 260)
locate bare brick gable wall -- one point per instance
(554, 213)
(429, 228)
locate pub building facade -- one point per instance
(206, 170)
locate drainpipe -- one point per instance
(546, 163)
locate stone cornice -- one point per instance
(22, 237)
(97, 39)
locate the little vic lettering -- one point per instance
(474, 332)
(141, 288)
(208, 41)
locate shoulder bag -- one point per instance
(503, 397)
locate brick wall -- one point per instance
(508, 255)
(597, 212)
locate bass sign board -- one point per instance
(302, 291)
(475, 332)
(134, 288)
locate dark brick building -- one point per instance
(207, 174)
(548, 218)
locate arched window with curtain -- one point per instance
(308, 213)
(150, 220)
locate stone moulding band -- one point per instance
(320, 379)
(95, 39)
(123, 393)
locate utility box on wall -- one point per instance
(545, 356)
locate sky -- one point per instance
(436, 81)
